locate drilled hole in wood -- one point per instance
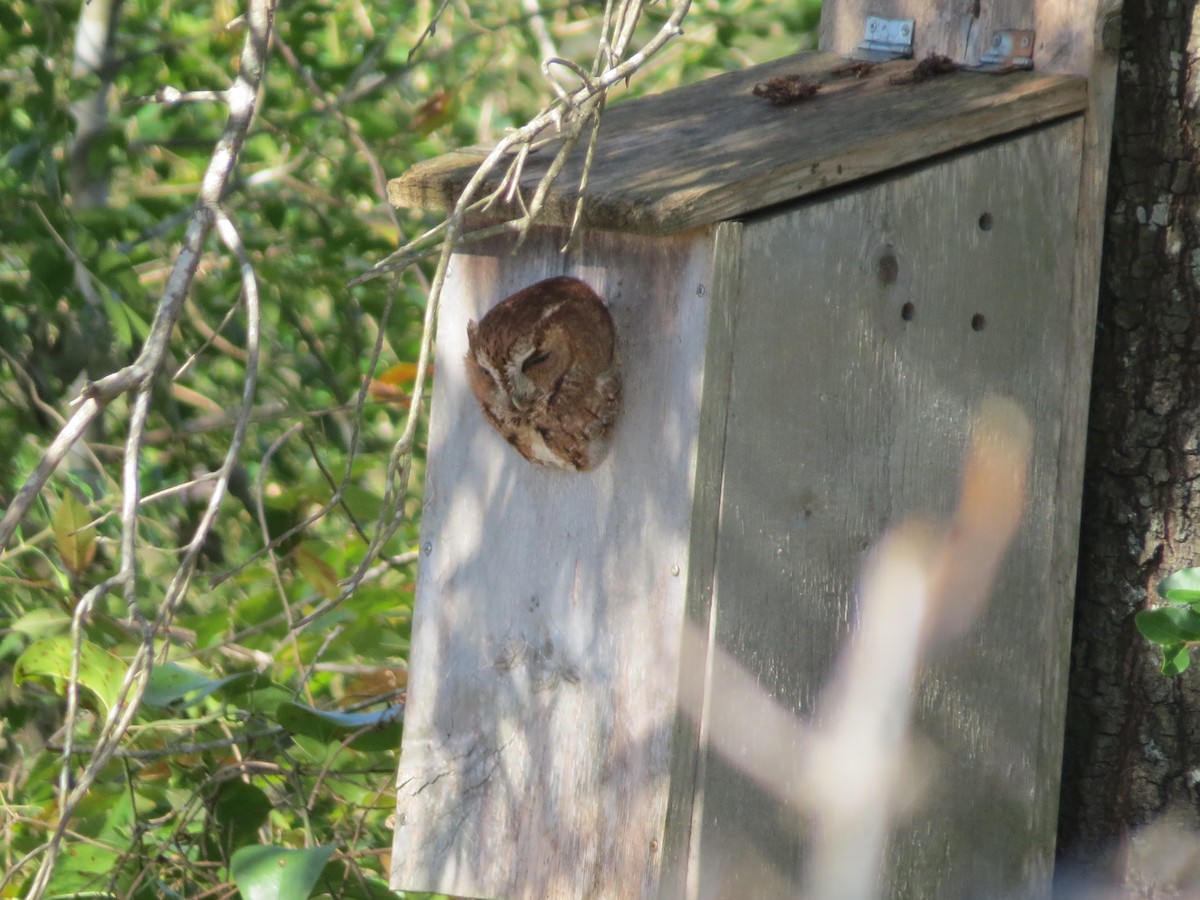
(888, 268)
(908, 311)
(978, 322)
(985, 222)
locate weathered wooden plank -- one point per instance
(718, 366)
(1085, 39)
(713, 151)
(545, 656)
(869, 325)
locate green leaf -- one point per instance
(126, 324)
(380, 730)
(1181, 587)
(238, 811)
(49, 660)
(39, 623)
(1169, 625)
(353, 884)
(264, 701)
(121, 328)
(171, 683)
(1176, 659)
(264, 872)
(106, 813)
(83, 869)
(49, 265)
(74, 536)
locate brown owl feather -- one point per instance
(543, 365)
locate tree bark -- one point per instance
(1133, 736)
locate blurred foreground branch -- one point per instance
(923, 585)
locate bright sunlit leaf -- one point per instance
(1169, 625)
(74, 536)
(1181, 587)
(49, 661)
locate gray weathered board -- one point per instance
(713, 150)
(545, 652)
(783, 406)
(844, 417)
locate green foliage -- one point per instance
(276, 873)
(100, 672)
(1176, 626)
(261, 744)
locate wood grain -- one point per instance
(776, 387)
(713, 151)
(848, 413)
(545, 653)
(960, 29)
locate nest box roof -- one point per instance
(736, 143)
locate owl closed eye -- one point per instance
(543, 365)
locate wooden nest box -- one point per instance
(810, 299)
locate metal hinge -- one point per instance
(1009, 50)
(885, 39)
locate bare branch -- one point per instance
(612, 70)
(577, 107)
(572, 112)
(430, 29)
(138, 377)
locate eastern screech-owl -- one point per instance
(543, 366)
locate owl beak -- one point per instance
(522, 393)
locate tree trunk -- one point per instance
(94, 39)
(1133, 735)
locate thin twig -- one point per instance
(183, 749)
(620, 70)
(378, 178)
(429, 30)
(584, 102)
(260, 511)
(588, 159)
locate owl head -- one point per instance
(542, 364)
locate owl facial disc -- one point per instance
(543, 365)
